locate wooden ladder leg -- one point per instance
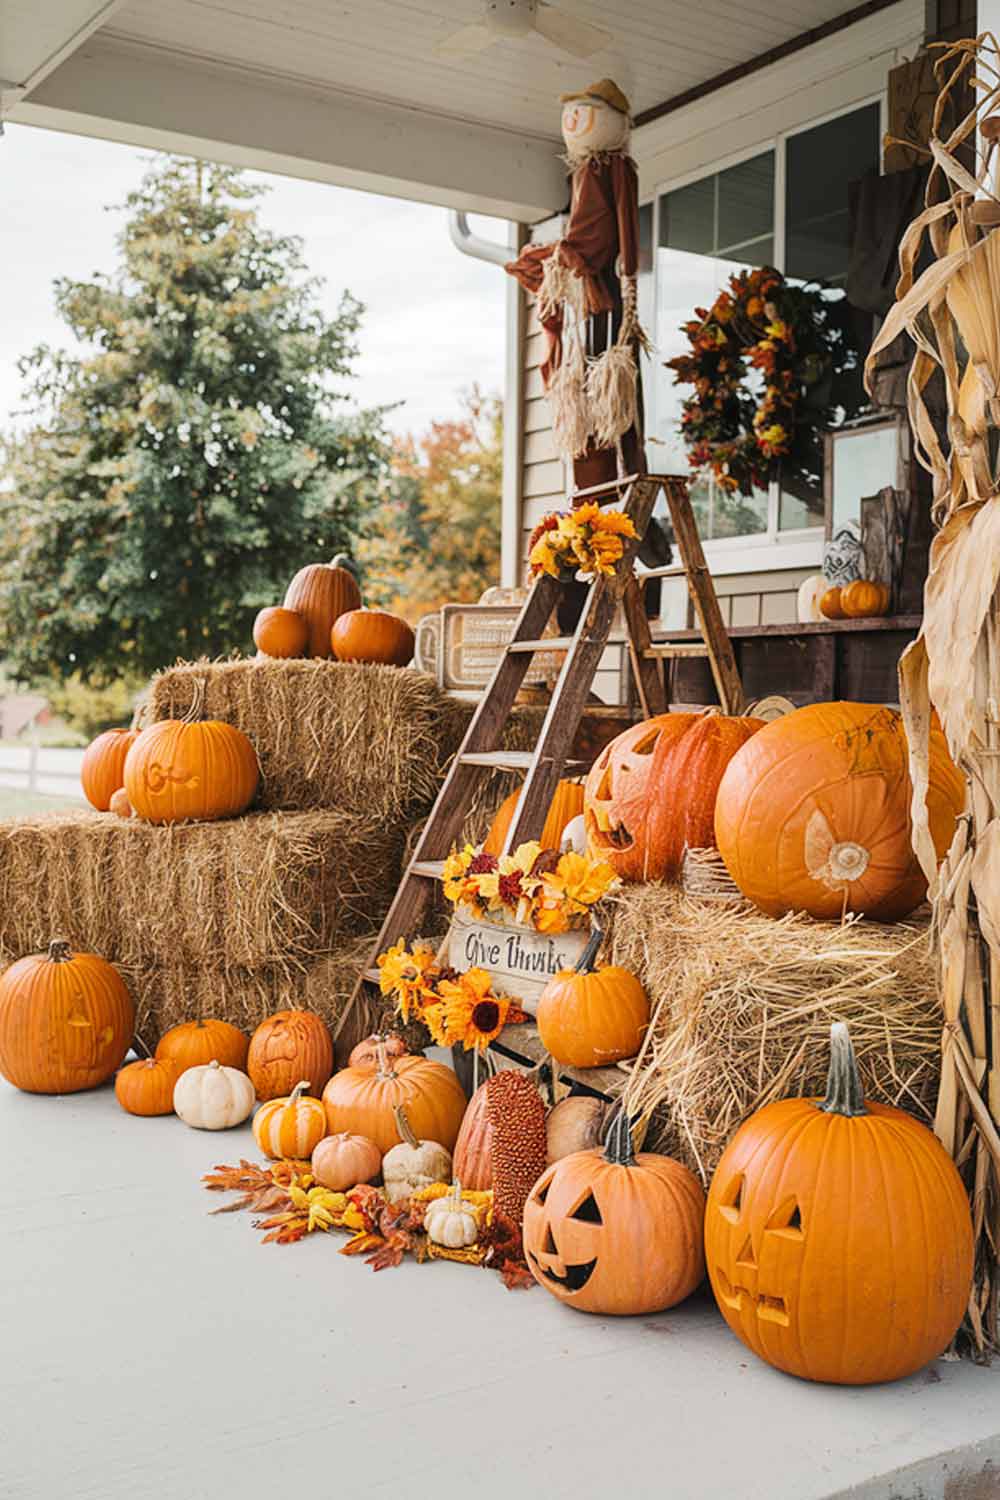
(704, 597)
(649, 675)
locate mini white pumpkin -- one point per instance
(811, 591)
(450, 1222)
(413, 1164)
(574, 836)
(213, 1097)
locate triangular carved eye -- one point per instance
(550, 1245)
(732, 1199)
(542, 1191)
(746, 1256)
(786, 1220)
(588, 1211)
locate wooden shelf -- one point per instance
(797, 628)
(523, 1044)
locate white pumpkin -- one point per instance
(213, 1097)
(810, 593)
(574, 836)
(413, 1164)
(450, 1222)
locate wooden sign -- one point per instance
(519, 960)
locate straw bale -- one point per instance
(742, 1006)
(269, 889)
(327, 734)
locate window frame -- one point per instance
(763, 550)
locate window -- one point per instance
(784, 206)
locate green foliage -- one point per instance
(88, 709)
(179, 472)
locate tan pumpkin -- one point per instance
(292, 1127)
(287, 1046)
(863, 598)
(473, 1164)
(414, 1163)
(66, 1021)
(147, 1087)
(102, 770)
(341, 1162)
(365, 1103)
(566, 804)
(321, 593)
(576, 1123)
(589, 1018)
(120, 805)
(191, 768)
(830, 606)
(194, 1043)
(372, 635)
(365, 1054)
(213, 1097)
(280, 632)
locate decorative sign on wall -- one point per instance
(519, 960)
(472, 639)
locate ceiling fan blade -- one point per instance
(465, 43)
(569, 32)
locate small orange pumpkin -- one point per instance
(287, 1046)
(194, 1043)
(191, 768)
(290, 1128)
(372, 635)
(280, 632)
(321, 593)
(102, 770)
(341, 1162)
(864, 598)
(147, 1087)
(120, 805)
(365, 1054)
(589, 1018)
(566, 804)
(830, 604)
(364, 1103)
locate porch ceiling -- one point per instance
(350, 90)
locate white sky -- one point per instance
(434, 322)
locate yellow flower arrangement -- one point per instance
(534, 887)
(406, 974)
(457, 1009)
(587, 540)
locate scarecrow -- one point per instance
(586, 291)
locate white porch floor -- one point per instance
(151, 1351)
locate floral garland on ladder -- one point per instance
(536, 887)
(586, 540)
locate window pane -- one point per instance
(801, 509)
(819, 165)
(746, 201)
(687, 217)
(863, 463)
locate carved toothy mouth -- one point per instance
(574, 1279)
(769, 1309)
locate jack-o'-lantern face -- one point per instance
(758, 1262)
(565, 1267)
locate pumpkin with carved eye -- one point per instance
(838, 1235)
(287, 1046)
(191, 768)
(813, 813)
(614, 1232)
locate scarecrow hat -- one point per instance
(606, 90)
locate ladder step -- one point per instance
(430, 869)
(674, 652)
(548, 643)
(372, 976)
(515, 760)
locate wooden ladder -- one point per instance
(549, 761)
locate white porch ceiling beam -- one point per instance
(37, 35)
(148, 97)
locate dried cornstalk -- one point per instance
(952, 312)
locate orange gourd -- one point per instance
(566, 804)
(321, 593)
(341, 1162)
(590, 1018)
(372, 635)
(147, 1087)
(66, 1021)
(830, 604)
(280, 632)
(191, 768)
(838, 1235)
(102, 770)
(194, 1043)
(651, 793)
(290, 1128)
(287, 1046)
(864, 597)
(120, 805)
(813, 814)
(473, 1157)
(612, 1232)
(365, 1054)
(364, 1103)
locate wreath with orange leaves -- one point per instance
(774, 365)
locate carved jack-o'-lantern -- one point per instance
(838, 1236)
(612, 1232)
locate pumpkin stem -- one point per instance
(585, 963)
(618, 1140)
(383, 1061)
(60, 951)
(346, 561)
(404, 1127)
(299, 1089)
(197, 709)
(844, 1094)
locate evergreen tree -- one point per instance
(177, 474)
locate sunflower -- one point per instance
(576, 884)
(455, 869)
(469, 1012)
(408, 975)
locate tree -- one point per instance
(193, 458)
(436, 533)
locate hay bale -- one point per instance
(268, 890)
(327, 734)
(742, 1006)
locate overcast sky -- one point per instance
(434, 323)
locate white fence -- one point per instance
(41, 769)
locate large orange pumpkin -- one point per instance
(372, 635)
(194, 1043)
(361, 1102)
(321, 593)
(102, 770)
(813, 814)
(590, 1018)
(191, 768)
(613, 1232)
(280, 632)
(291, 1127)
(147, 1087)
(66, 1021)
(651, 794)
(287, 1046)
(838, 1235)
(566, 805)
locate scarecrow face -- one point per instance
(591, 125)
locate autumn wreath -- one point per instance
(773, 364)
